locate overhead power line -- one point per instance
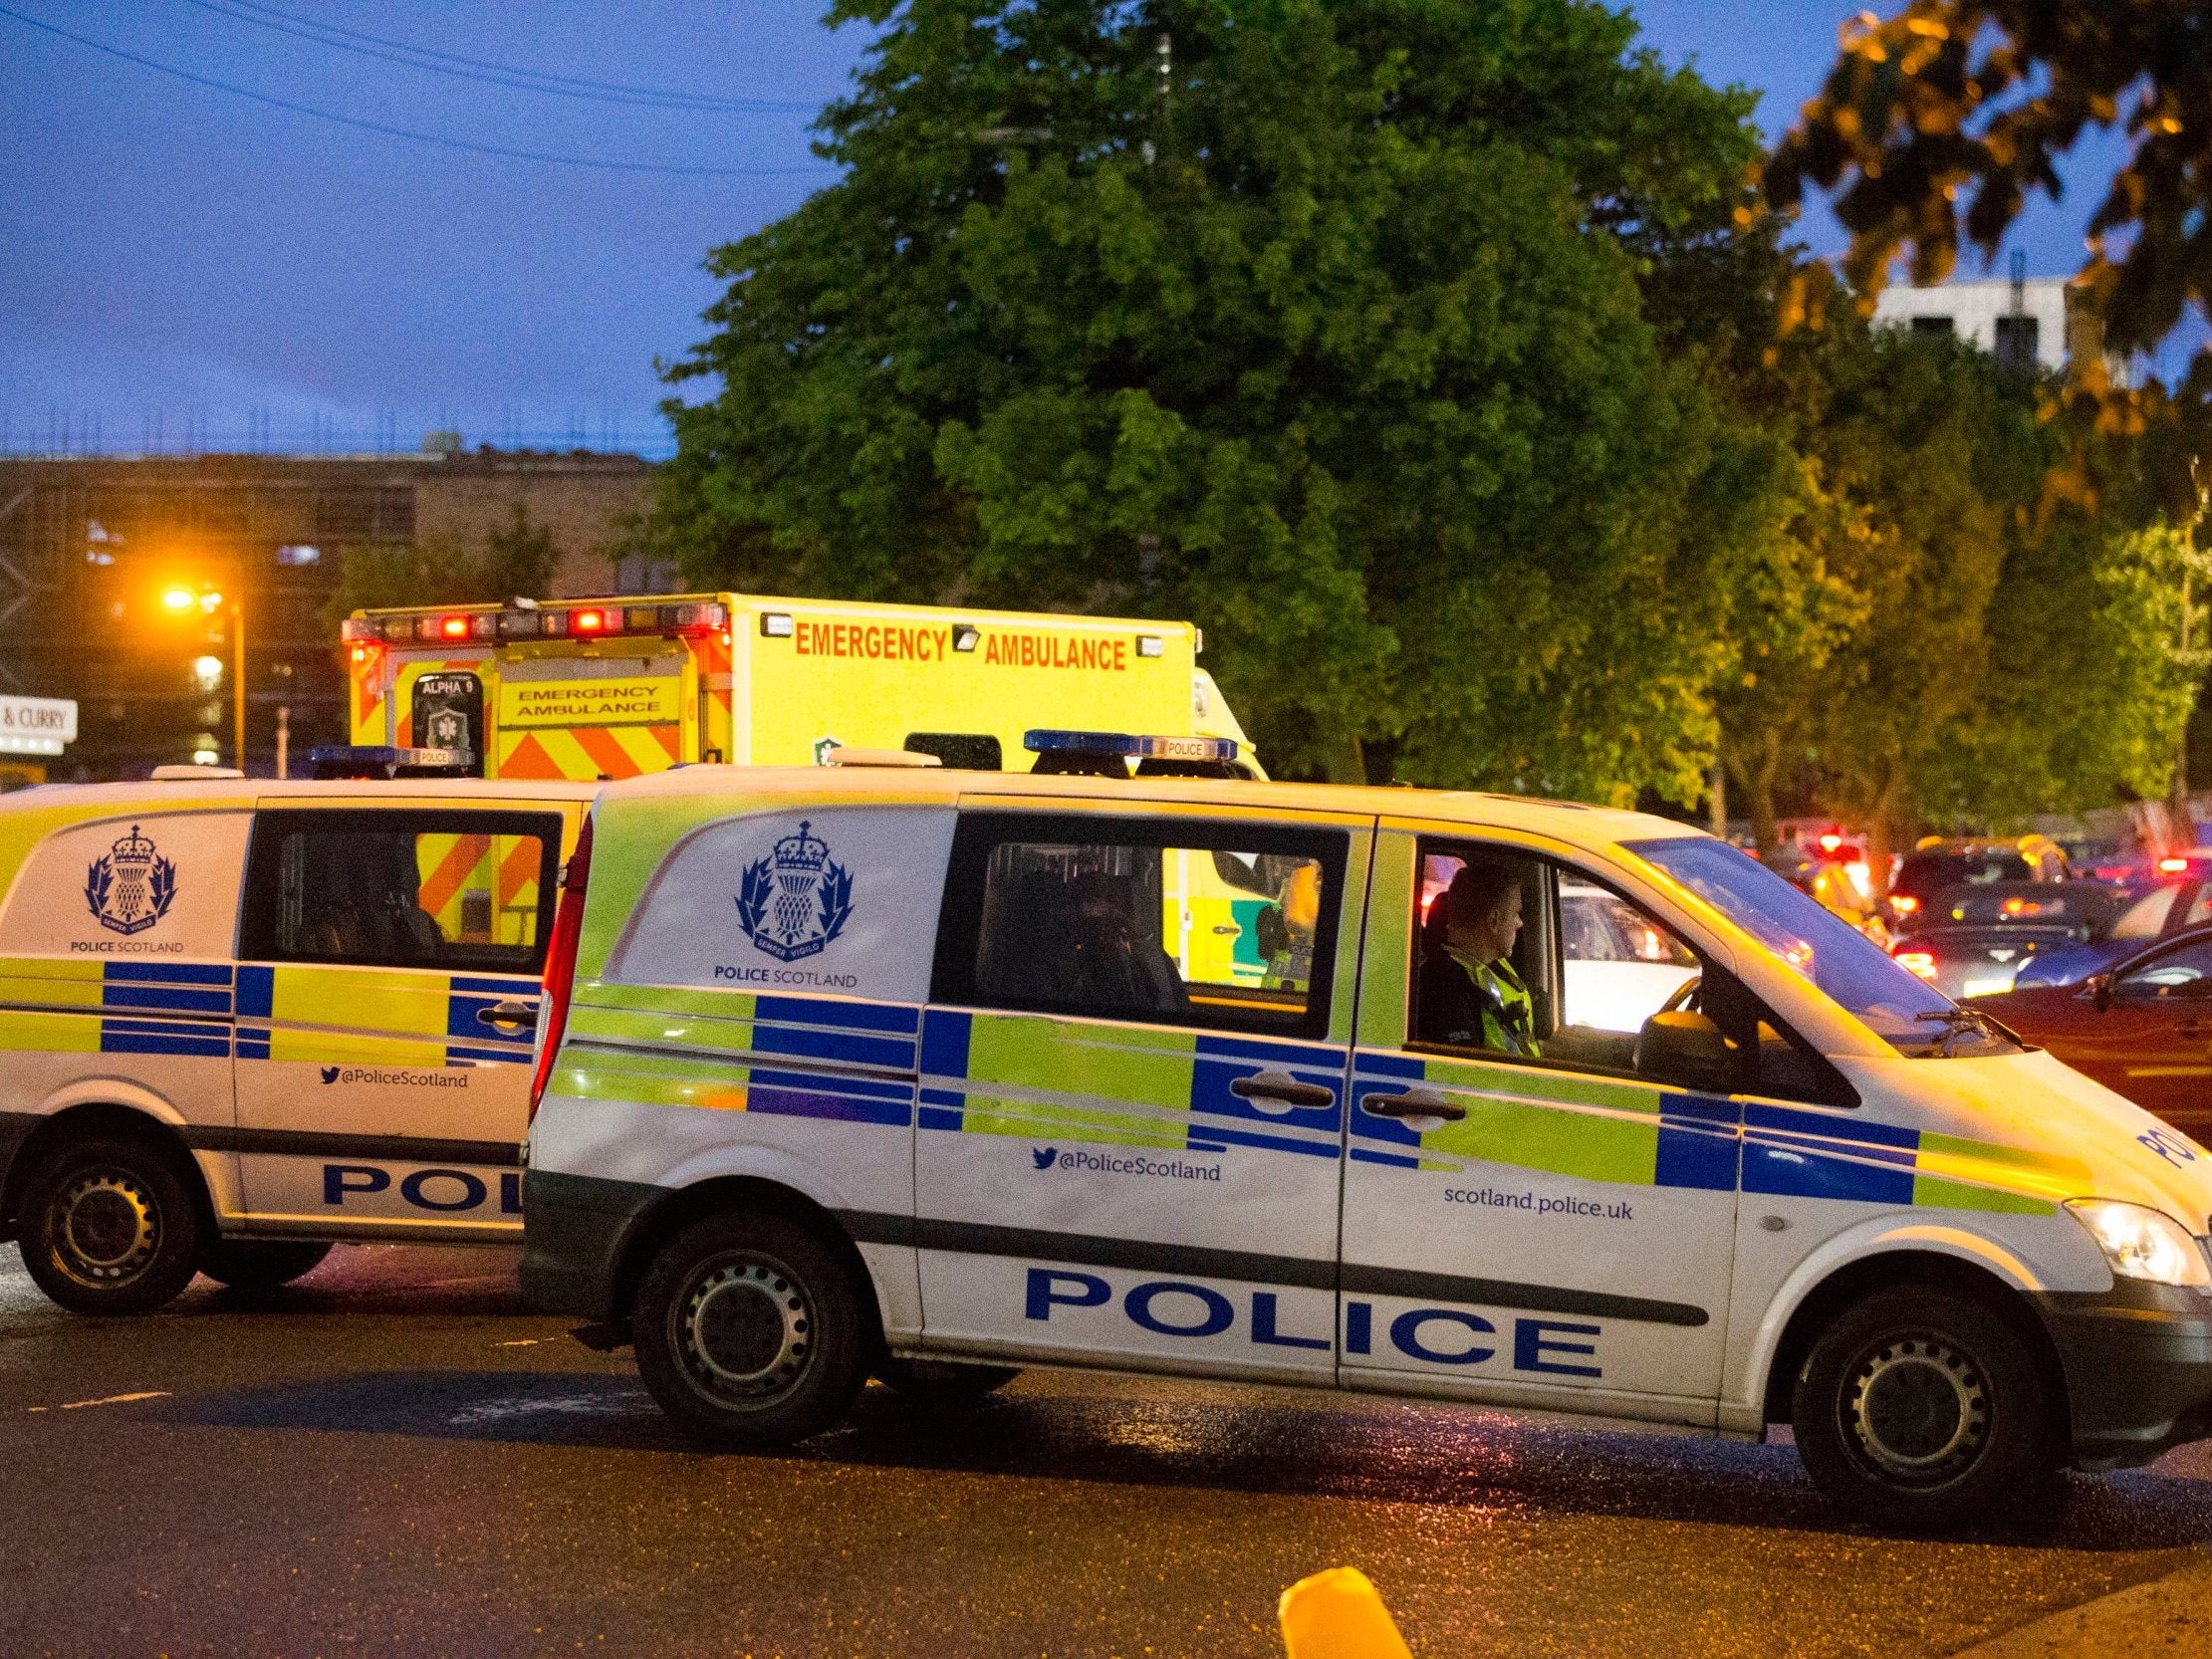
(477, 68)
(405, 133)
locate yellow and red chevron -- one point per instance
(581, 753)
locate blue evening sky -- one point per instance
(177, 259)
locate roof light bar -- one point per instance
(1042, 740)
(384, 759)
(533, 622)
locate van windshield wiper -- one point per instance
(1957, 1022)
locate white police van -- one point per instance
(241, 1020)
(936, 1075)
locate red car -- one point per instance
(2143, 1030)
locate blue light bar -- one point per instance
(385, 760)
(1046, 742)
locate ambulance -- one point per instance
(243, 1019)
(906, 1071)
(586, 689)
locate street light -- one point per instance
(180, 598)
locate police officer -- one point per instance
(1470, 994)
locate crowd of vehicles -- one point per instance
(927, 1060)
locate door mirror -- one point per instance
(2100, 991)
(1686, 1048)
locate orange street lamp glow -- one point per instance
(178, 598)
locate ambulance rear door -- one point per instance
(391, 957)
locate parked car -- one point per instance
(1975, 939)
(2166, 909)
(2144, 1029)
(1937, 863)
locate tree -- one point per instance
(515, 559)
(1321, 322)
(1957, 109)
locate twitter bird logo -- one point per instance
(330, 1074)
(1044, 1155)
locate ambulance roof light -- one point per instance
(1150, 644)
(777, 625)
(384, 759)
(589, 620)
(965, 636)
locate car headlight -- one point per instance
(2142, 1243)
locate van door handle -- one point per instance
(1415, 1102)
(1279, 1087)
(508, 1016)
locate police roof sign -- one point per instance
(35, 725)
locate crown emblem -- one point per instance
(130, 886)
(796, 900)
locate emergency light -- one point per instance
(384, 759)
(516, 621)
(1108, 754)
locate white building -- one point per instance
(2018, 320)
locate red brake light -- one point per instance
(587, 621)
(2174, 866)
(453, 628)
(1904, 903)
(1830, 843)
(568, 928)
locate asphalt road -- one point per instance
(395, 1458)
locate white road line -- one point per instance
(115, 1400)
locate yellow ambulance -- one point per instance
(589, 689)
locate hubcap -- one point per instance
(107, 1227)
(745, 1329)
(1919, 1409)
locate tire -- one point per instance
(261, 1263)
(751, 1332)
(1924, 1410)
(937, 1383)
(109, 1226)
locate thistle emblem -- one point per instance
(796, 900)
(130, 886)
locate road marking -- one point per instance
(113, 1399)
(525, 1342)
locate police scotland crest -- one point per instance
(796, 900)
(130, 886)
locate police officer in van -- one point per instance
(1471, 996)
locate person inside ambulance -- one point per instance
(1470, 994)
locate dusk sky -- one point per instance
(175, 255)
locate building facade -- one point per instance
(89, 547)
(2024, 321)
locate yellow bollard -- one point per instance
(1337, 1614)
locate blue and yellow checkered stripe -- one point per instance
(1597, 1129)
(785, 1056)
(1031, 1076)
(216, 1011)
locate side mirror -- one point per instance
(2100, 991)
(1686, 1048)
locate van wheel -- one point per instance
(750, 1332)
(1922, 1410)
(109, 1227)
(261, 1263)
(938, 1383)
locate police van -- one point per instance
(241, 1020)
(922, 1074)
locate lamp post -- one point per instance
(181, 600)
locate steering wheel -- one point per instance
(1682, 994)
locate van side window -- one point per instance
(1220, 925)
(442, 889)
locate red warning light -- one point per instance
(453, 628)
(2173, 867)
(587, 621)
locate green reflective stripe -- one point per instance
(1382, 994)
(653, 1080)
(58, 1033)
(1349, 927)
(662, 999)
(1586, 1128)
(1953, 1173)
(664, 1028)
(1071, 1073)
(52, 984)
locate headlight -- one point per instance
(2142, 1243)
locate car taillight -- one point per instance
(1917, 962)
(568, 928)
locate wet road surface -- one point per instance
(392, 1457)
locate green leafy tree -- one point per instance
(1945, 116)
(1322, 321)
